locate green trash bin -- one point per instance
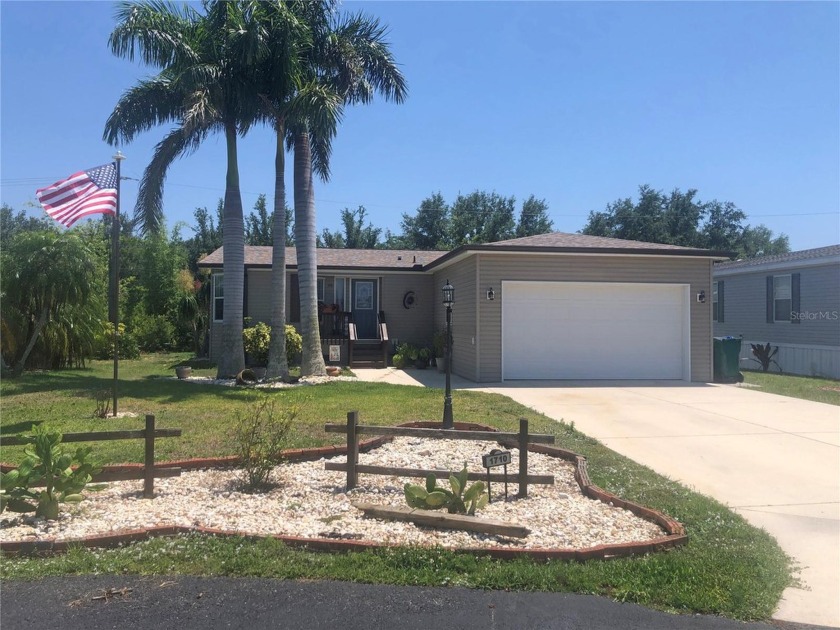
(727, 352)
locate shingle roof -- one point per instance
(558, 242)
(801, 255)
(257, 256)
(564, 240)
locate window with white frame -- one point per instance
(218, 297)
(321, 289)
(782, 302)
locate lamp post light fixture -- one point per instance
(448, 301)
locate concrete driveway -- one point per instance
(772, 459)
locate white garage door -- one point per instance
(605, 330)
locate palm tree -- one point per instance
(349, 59)
(206, 84)
(288, 101)
(46, 276)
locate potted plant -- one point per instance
(423, 357)
(183, 371)
(439, 346)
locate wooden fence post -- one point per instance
(149, 465)
(523, 458)
(352, 449)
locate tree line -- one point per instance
(681, 218)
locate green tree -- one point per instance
(356, 234)
(533, 219)
(759, 241)
(207, 235)
(12, 224)
(429, 228)
(482, 218)
(206, 84)
(258, 224)
(49, 276)
(682, 219)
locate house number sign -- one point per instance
(494, 458)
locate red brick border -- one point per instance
(675, 536)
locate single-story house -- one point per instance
(552, 306)
(789, 300)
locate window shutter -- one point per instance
(794, 298)
(769, 299)
(720, 301)
(294, 298)
(245, 296)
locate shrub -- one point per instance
(294, 343)
(153, 332)
(47, 462)
(257, 340)
(260, 436)
(103, 347)
(409, 352)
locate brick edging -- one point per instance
(675, 537)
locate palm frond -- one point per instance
(160, 33)
(149, 103)
(148, 213)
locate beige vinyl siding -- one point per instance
(462, 276)
(594, 268)
(258, 295)
(416, 324)
(745, 304)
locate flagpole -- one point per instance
(115, 279)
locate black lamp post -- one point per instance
(448, 301)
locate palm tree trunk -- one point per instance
(278, 362)
(39, 326)
(312, 360)
(232, 356)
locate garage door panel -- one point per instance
(555, 330)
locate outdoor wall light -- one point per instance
(701, 297)
(448, 294)
(491, 295)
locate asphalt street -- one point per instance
(187, 603)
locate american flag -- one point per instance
(93, 191)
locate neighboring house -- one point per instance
(791, 301)
(553, 306)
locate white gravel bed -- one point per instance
(311, 502)
(231, 382)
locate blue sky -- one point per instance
(576, 103)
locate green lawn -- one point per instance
(728, 568)
(823, 390)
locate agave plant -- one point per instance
(764, 356)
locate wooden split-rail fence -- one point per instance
(149, 470)
(353, 430)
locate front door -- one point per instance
(365, 302)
